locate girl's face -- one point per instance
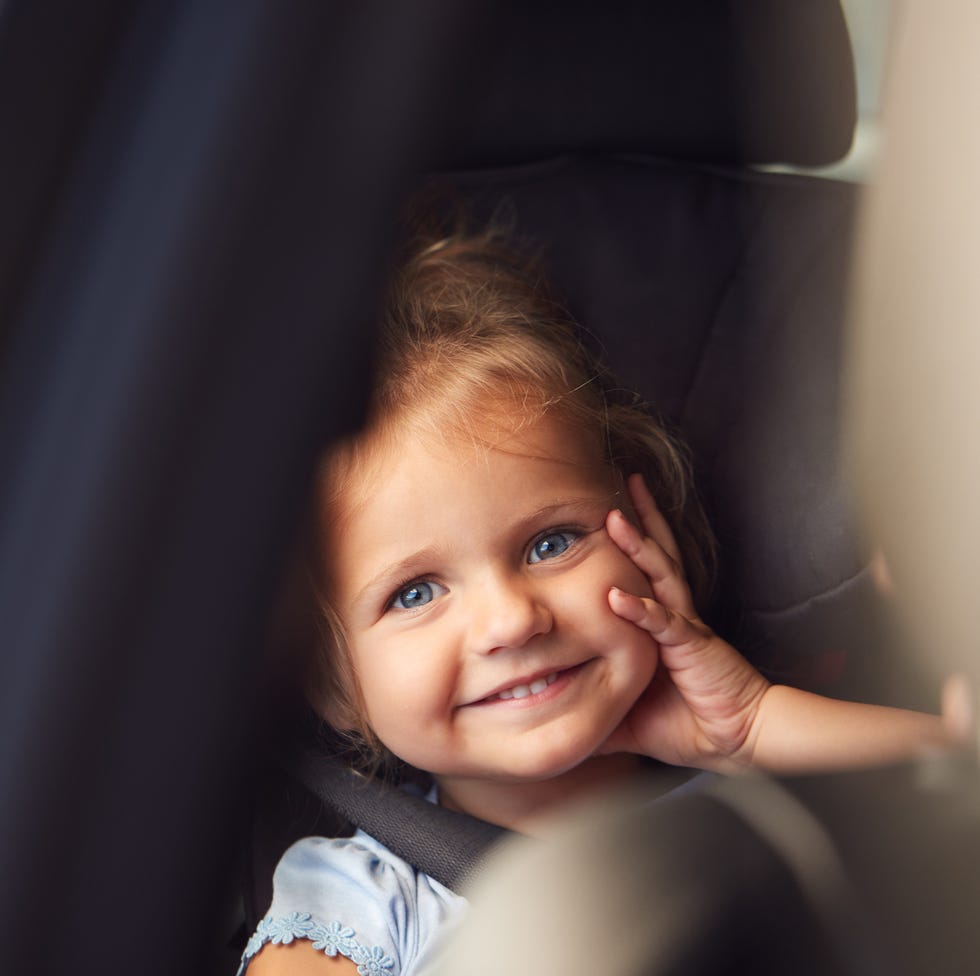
(472, 582)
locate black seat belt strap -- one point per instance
(446, 845)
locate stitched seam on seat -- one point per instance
(863, 574)
(792, 291)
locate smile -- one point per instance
(522, 691)
(552, 683)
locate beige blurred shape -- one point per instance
(575, 904)
(913, 376)
(626, 886)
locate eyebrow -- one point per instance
(405, 568)
(391, 575)
(575, 502)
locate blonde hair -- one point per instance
(467, 322)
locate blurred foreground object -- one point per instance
(196, 223)
(855, 874)
(635, 886)
(914, 381)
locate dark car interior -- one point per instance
(199, 211)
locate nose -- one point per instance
(505, 613)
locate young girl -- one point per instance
(509, 550)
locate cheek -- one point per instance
(585, 597)
(619, 570)
(401, 675)
(407, 689)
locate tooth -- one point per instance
(538, 686)
(552, 678)
(520, 691)
(506, 693)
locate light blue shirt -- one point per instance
(354, 897)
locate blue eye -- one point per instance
(415, 595)
(550, 545)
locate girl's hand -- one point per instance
(702, 705)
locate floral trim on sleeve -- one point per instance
(330, 939)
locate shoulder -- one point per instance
(299, 958)
(354, 898)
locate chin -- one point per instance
(550, 760)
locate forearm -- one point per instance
(797, 732)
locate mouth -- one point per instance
(533, 687)
(522, 691)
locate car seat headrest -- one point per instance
(750, 81)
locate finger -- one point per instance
(651, 518)
(666, 626)
(666, 580)
(645, 551)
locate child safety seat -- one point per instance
(619, 142)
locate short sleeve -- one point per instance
(353, 897)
